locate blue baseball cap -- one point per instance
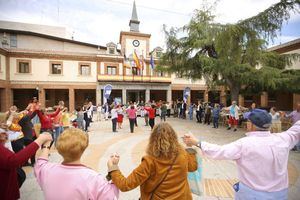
(259, 117)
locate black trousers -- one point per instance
(131, 123)
(17, 145)
(207, 119)
(21, 176)
(114, 124)
(135, 122)
(168, 112)
(199, 116)
(28, 141)
(87, 123)
(152, 123)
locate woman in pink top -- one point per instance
(132, 117)
(71, 179)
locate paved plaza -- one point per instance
(218, 176)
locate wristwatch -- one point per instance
(45, 147)
(198, 145)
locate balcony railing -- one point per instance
(135, 78)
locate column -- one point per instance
(147, 95)
(206, 96)
(169, 95)
(2, 100)
(241, 100)
(8, 98)
(223, 96)
(42, 97)
(264, 99)
(98, 95)
(188, 101)
(296, 100)
(71, 99)
(124, 96)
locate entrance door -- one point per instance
(135, 95)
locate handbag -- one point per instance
(194, 178)
(162, 180)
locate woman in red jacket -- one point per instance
(10, 162)
(152, 112)
(46, 119)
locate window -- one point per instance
(128, 71)
(111, 50)
(160, 74)
(23, 66)
(272, 96)
(136, 71)
(111, 70)
(56, 68)
(84, 69)
(178, 75)
(13, 41)
(158, 54)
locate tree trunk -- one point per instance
(234, 92)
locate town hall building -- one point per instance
(39, 60)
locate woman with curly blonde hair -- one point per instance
(162, 173)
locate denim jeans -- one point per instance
(57, 131)
(191, 115)
(163, 116)
(246, 193)
(216, 122)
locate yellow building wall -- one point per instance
(40, 71)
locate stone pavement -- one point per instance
(218, 176)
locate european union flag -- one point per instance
(152, 61)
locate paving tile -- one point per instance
(218, 176)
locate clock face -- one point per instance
(136, 43)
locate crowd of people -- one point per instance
(163, 172)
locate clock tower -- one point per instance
(134, 41)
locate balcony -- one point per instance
(134, 78)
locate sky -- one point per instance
(100, 21)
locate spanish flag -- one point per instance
(136, 60)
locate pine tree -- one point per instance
(233, 55)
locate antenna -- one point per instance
(58, 11)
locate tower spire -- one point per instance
(134, 21)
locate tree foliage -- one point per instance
(232, 55)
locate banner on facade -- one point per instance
(106, 92)
(186, 93)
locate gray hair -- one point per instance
(266, 128)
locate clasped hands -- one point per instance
(114, 160)
(190, 140)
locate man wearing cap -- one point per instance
(261, 157)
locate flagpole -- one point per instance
(142, 66)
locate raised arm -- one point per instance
(40, 114)
(292, 135)
(138, 176)
(231, 151)
(9, 159)
(55, 113)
